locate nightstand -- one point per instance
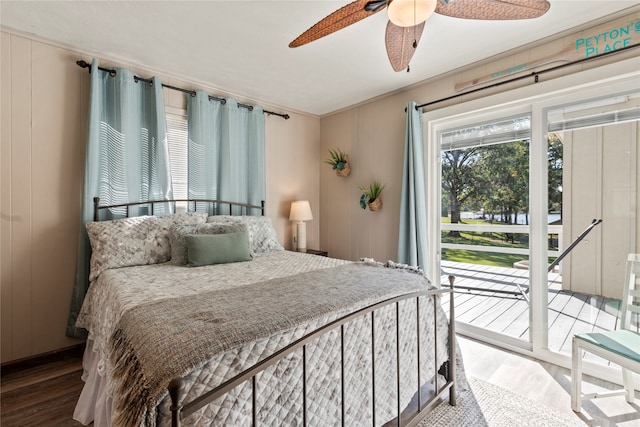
(316, 252)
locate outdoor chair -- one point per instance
(621, 346)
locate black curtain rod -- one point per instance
(84, 64)
(534, 74)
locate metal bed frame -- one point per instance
(411, 416)
(213, 203)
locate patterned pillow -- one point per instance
(122, 243)
(162, 251)
(262, 236)
(178, 232)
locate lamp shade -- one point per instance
(300, 211)
(407, 13)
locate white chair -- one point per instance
(621, 346)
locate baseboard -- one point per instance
(72, 352)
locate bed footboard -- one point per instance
(181, 410)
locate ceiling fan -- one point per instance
(407, 19)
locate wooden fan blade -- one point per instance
(400, 44)
(494, 9)
(341, 18)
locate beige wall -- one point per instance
(44, 104)
(44, 100)
(373, 136)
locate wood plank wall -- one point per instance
(600, 181)
(43, 106)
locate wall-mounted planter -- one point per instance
(343, 168)
(376, 205)
(339, 161)
(371, 196)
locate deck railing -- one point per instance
(501, 228)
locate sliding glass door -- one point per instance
(597, 144)
(533, 207)
(485, 220)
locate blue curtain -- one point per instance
(226, 151)
(412, 240)
(127, 158)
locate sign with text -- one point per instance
(601, 40)
(607, 41)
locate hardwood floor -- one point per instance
(41, 392)
(44, 394)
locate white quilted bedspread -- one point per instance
(279, 388)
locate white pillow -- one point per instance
(122, 243)
(262, 236)
(132, 241)
(165, 223)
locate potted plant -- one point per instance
(339, 161)
(371, 196)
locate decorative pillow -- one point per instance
(262, 236)
(121, 243)
(178, 242)
(162, 249)
(208, 249)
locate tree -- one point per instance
(555, 166)
(459, 176)
(495, 177)
(506, 168)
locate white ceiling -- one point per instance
(241, 47)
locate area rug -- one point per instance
(489, 405)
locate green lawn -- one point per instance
(483, 239)
(482, 258)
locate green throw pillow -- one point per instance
(208, 249)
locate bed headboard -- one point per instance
(210, 203)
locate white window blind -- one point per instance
(177, 135)
(494, 132)
(598, 112)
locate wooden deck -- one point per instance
(498, 302)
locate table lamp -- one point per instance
(300, 212)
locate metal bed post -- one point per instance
(176, 391)
(373, 367)
(96, 203)
(435, 346)
(342, 373)
(452, 344)
(398, 360)
(254, 409)
(304, 385)
(418, 353)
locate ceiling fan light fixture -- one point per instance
(407, 13)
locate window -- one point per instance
(178, 138)
(484, 180)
